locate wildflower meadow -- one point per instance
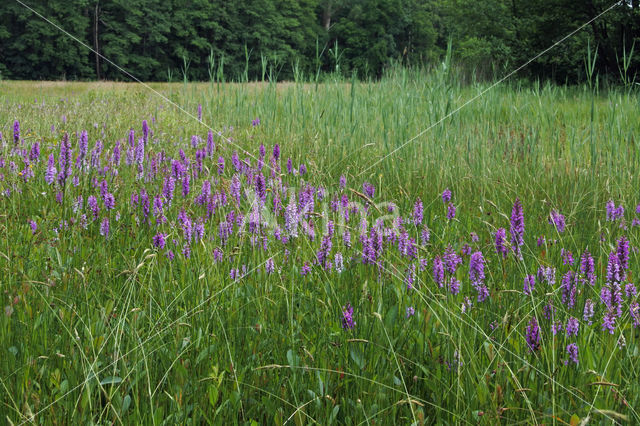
(401, 251)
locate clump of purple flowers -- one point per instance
(446, 195)
(269, 266)
(614, 271)
(410, 276)
(477, 275)
(339, 262)
(567, 257)
(623, 256)
(451, 211)
(50, 174)
(588, 311)
(438, 271)
(64, 160)
(347, 317)
(533, 335)
(501, 236)
(159, 240)
(145, 131)
(572, 327)
(609, 322)
(634, 311)
(517, 228)
(418, 212)
(547, 274)
(569, 289)
(587, 267)
(452, 260)
(614, 213)
(368, 189)
(104, 227)
(529, 284)
(425, 235)
(572, 350)
(226, 207)
(306, 269)
(34, 154)
(557, 219)
(16, 132)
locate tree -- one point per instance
(134, 35)
(150, 37)
(32, 48)
(373, 32)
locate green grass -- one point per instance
(109, 330)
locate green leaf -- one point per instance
(357, 357)
(111, 380)
(126, 402)
(334, 413)
(292, 358)
(391, 317)
(320, 384)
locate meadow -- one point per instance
(413, 250)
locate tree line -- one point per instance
(240, 40)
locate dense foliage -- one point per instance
(290, 39)
(290, 266)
